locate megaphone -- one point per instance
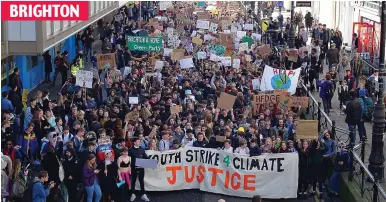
(119, 184)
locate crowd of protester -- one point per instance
(57, 144)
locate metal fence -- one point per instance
(370, 189)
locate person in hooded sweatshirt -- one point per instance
(72, 174)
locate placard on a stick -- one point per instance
(307, 129)
(226, 101)
(106, 60)
(300, 101)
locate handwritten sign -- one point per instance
(300, 101)
(236, 63)
(226, 101)
(201, 55)
(175, 109)
(202, 24)
(218, 50)
(106, 61)
(248, 26)
(307, 129)
(256, 84)
(84, 78)
(213, 27)
(186, 63)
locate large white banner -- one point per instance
(216, 171)
(276, 79)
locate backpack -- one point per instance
(27, 196)
(18, 188)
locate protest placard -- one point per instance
(159, 64)
(133, 100)
(167, 52)
(225, 24)
(226, 61)
(203, 15)
(248, 58)
(243, 47)
(106, 60)
(236, 63)
(247, 39)
(218, 50)
(256, 84)
(285, 99)
(201, 55)
(307, 129)
(241, 34)
(197, 40)
(264, 50)
(163, 5)
(132, 116)
(213, 27)
(84, 78)
(186, 63)
(146, 44)
(248, 26)
(202, 24)
(256, 36)
(300, 101)
(177, 54)
(169, 31)
(226, 101)
(214, 57)
(175, 109)
(233, 29)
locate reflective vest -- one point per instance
(74, 70)
(81, 65)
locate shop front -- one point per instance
(376, 35)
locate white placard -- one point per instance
(241, 34)
(127, 71)
(167, 52)
(133, 100)
(256, 36)
(256, 84)
(233, 29)
(236, 63)
(163, 5)
(226, 61)
(202, 24)
(248, 26)
(84, 78)
(186, 63)
(243, 47)
(214, 57)
(227, 31)
(213, 27)
(159, 64)
(201, 55)
(207, 37)
(194, 33)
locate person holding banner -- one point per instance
(136, 151)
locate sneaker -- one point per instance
(144, 198)
(132, 198)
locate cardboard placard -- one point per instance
(226, 101)
(285, 99)
(264, 101)
(197, 41)
(177, 55)
(307, 129)
(203, 15)
(106, 60)
(220, 138)
(293, 55)
(132, 116)
(264, 50)
(300, 101)
(175, 109)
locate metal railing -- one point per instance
(369, 188)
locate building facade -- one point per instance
(23, 42)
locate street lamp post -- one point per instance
(377, 157)
(291, 35)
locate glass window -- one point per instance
(3, 72)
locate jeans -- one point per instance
(87, 52)
(95, 188)
(140, 172)
(361, 131)
(335, 182)
(326, 105)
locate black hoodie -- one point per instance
(72, 168)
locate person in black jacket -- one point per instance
(72, 173)
(341, 162)
(304, 168)
(353, 114)
(47, 66)
(136, 151)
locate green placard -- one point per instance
(247, 39)
(146, 44)
(218, 50)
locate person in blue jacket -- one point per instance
(39, 191)
(28, 142)
(326, 92)
(6, 104)
(341, 162)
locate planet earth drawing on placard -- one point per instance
(280, 81)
